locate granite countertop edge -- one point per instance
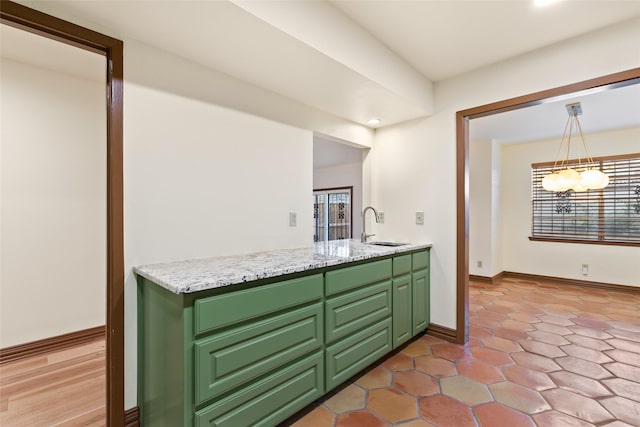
(183, 277)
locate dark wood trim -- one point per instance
(442, 332)
(49, 345)
(565, 281)
(495, 279)
(623, 78)
(480, 279)
(40, 23)
(462, 228)
(132, 417)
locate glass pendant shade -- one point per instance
(593, 178)
(567, 178)
(550, 182)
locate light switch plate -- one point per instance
(420, 218)
(381, 217)
(293, 219)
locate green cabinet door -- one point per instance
(420, 282)
(239, 355)
(402, 308)
(350, 312)
(421, 303)
(270, 400)
(352, 354)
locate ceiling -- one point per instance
(352, 59)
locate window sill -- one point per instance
(588, 242)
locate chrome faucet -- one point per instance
(364, 236)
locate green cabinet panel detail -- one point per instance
(240, 355)
(255, 356)
(420, 260)
(402, 310)
(223, 310)
(270, 400)
(354, 353)
(347, 278)
(421, 300)
(401, 265)
(348, 313)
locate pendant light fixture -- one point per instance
(585, 176)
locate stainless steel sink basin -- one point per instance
(386, 243)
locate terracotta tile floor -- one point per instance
(539, 354)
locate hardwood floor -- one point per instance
(63, 388)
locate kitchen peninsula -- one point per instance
(252, 339)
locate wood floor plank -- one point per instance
(63, 388)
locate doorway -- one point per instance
(611, 81)
(24, 18)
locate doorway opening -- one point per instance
(607, 82)
(21, 17)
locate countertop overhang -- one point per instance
(183, 277)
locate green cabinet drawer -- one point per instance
(347, 278)
(223, 310)
(348, 313)
(241, 354)
(401, 265)
(420, 260)
(270, 400)
(354, 353)
(402, 309)
(421, 301)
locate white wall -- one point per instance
(53, 203)
(414, 163)
(202, 180)
(608, 264)
(480, 208)
(346, 175)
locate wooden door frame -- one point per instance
(22, 17)
(610, 81)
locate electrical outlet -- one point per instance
(419, 218)
(293, 219)
(585, 269)
(479, 264)
(381, 217)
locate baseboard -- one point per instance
(484, 279)
(576, 282)
(442, 332)
(480, 279)
(48, 345)
(132, 417)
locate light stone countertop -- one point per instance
(184, 277)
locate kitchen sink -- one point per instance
(386, 243)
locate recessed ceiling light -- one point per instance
(373, 121)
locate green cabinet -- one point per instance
(244, 357)
(411, 304)
(358, 309)
(420, 283)
(402, 297)
(257, 353)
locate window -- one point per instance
(607, 216)
(332, 214)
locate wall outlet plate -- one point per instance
(420, 218)
(381, 217)
(293, 219)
